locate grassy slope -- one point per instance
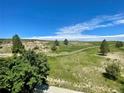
(82, 71)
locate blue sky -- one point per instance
(53, 19)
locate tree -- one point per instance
(25, 72)
(17, 47)
(104, 48)
(113, 70)
(119, 44)
(0, 44)
(66, 42)
(56, 43)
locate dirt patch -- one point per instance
(53, 89)
(116, 55)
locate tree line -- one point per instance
(56, 44)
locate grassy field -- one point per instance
(82, 71)
(79, 66)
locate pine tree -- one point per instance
(0, 44)
(56, 43)
(104, 48)
(119, 44)
(17, 45)
(66, 42)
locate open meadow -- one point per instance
(77, 66)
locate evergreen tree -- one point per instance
(56, 43)
(17, 45)
(119, 44)
(66, 42)
(104, 48)
(0, 44)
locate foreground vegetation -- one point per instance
(75, 65)
(24, 71)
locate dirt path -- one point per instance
(5, 54)
(61, 54)
(53, 89)
(70, 53)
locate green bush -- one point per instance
(36, 48)
(24, 72)
(1, 47)
(119, 44)
(53, 48)
(113, 70)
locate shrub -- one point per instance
(36, 48)
(113, 70)
(119, 44)
(1, 47)
(53, 48)
(24, 73)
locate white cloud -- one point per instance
(82, 37)
(74, 32)
(119, 21)
(98, 22)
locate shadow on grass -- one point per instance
(41, 88)
(106, 75)
(101, 54)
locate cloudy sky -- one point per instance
(87, 20)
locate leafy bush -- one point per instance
(24, 72)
